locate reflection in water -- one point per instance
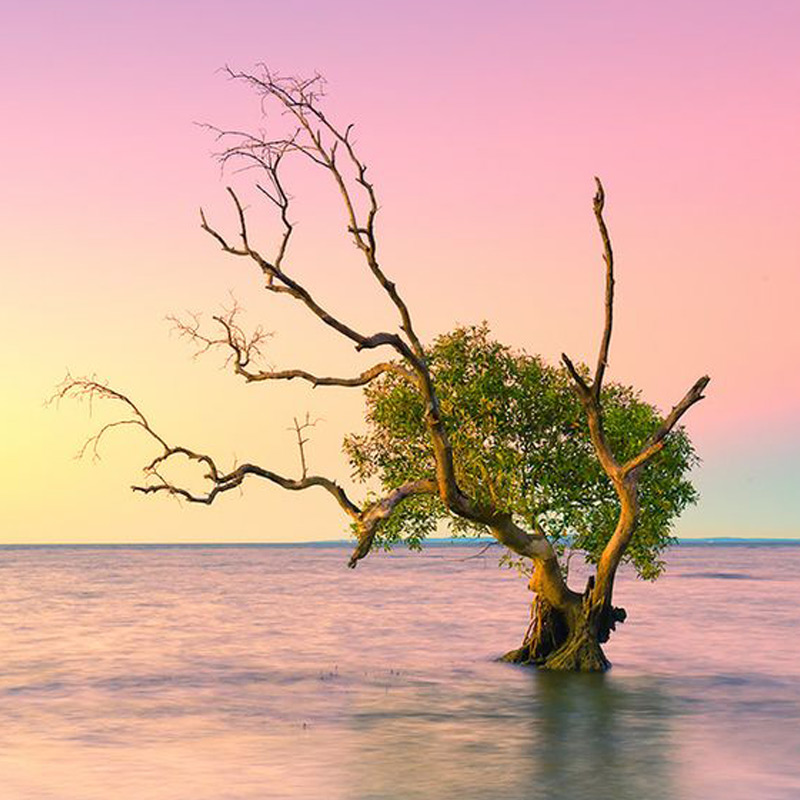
(550, 736)
(602, 739)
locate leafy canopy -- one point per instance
(520, 440)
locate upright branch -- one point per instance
(623, 476)
(299, 428)
(608, 256)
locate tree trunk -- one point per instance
(567, 639)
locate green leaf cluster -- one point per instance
(520, 442)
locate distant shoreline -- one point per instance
(718, 541)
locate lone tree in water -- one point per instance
(545, 459)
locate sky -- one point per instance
(483, 126)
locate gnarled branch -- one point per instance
(90, 389)
(301, 98)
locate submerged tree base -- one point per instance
(569, 642)
(579, 654)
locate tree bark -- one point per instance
(568, 637)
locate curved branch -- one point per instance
(233, 479)
(627, 490)
(89, 390)
(370, 519)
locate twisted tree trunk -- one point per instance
(570, 637)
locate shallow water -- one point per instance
(259, 673)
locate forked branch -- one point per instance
(299, 428)
(281, 283)
(623, 476)
(245, 348)
(318, 139)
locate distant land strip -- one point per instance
(346, 543)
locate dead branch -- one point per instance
(317, 138)
(367, 520)
(624, 477)
(608, 256)
(301, 442)
(656, 442)
(245, 348)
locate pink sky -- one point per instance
(483, 125)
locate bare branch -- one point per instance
(233, 479)
(301, 442)
(656, 442)
(359, 380)
(242, 222)
(225, 246)
(245, 348)
(89, 390)
(300, 98)
(608, 257)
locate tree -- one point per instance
(542, 458)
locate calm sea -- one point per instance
(256, 673)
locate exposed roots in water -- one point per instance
(555, 642)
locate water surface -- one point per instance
(258, 673)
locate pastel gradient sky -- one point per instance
(483, 124)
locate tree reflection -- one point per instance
(597, 737)
(537, 735)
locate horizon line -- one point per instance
(434, 541)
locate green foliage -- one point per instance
(521, 442)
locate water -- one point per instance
(265, 673)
